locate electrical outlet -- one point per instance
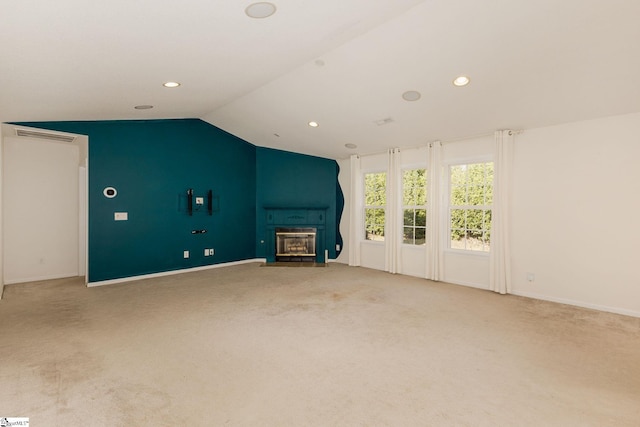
(199, 200)
(121, 216)
(211, 252)
(337, 247)
(531, 277)
(206, 252)
(185, 254)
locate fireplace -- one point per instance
(296, 244)
(295, 234)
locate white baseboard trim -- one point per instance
(467, 284)
(582, 304)
(41, 278)
(172, 272)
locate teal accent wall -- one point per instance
(152, 164)
(291, 180)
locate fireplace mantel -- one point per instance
(296, 216)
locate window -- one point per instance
(414, 206)
(375, 200)
(470, 206)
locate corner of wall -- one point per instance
(1, 210)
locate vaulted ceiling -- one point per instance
(344, 64)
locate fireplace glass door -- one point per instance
(295, 244)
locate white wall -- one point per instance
(575, 213)
(41, 221)
(1, 227)
(576, 196)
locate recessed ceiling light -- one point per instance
(314, 124)
(461, 81)
(411, 95)
(171, 84)
(260, 10)
(351, 146)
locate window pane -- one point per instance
(374, 224)
(458, 219)
(488, 194)
(408, 235)
(471, 193)
(420, 196)
(414, 183)
(374, 196)
(487, 239)
(369, 215)
(458, 196)
(474, 244)
(458, 239)
(458, 175)
(421, 217)
(475, 219)
(420, 236)
(409, 217)
(375, 189)
(377, 198)
(407, 196)
(475, 195)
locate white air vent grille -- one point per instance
(45, 135)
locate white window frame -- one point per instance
(446, 206)
(403, 206)
(363, 228)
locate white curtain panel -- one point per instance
(500, 256)
(434, 235)
(355, 212)
(391, 235)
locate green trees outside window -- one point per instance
(414, 209)
(470, 206)
(375, 201)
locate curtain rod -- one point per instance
(449, 141)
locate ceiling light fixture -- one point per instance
(351, 146)
(461, 81)
(143, 107)
(314, 124)
(260, 10)
(411, 95)
(171, 84)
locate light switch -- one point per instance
(121, 216)
(199, 200)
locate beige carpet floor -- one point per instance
(336, 346)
